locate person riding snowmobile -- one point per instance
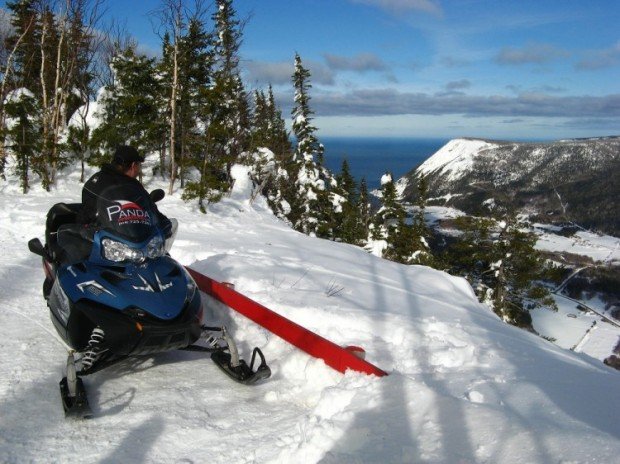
(124, 169)
(121, 173)
(115, 292)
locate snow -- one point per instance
(603, 248)
(463, 386)
(579, 330)
(456, 158)
(89, 114)
(386, 178)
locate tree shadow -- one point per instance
(384, 430)
(390, 434)
(137, 443)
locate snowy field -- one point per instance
(601, 248)
(463, 386)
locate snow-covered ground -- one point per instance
(602, 248)
(570, 328)
(463, 386)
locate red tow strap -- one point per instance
(334, 355)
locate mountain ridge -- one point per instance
(565, 181)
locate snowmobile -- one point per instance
(114, 292)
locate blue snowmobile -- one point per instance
(114, 292)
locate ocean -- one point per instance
(370, 158)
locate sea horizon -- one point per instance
(371, 157)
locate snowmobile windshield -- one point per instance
(127, 211)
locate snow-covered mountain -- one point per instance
(463, 386)
(567, 180)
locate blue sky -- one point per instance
(433, 68)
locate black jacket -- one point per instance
(102, 181)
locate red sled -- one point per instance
(335, 356)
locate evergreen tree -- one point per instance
(420, 233)
(50, 57)
(390, 224)
(346, 182)
(272, 175)
(307, 143)
(471, 254)
(260, 121)
(20, 97)
(130, 110)
(499, 259)
(401, 242)
(516, 274)
(25, 41)
(268, 126)
(23, 136)
(365, 215)
(312, 210)
(196, 61)
(268, 171)
(348, 221)
(232, 118)
(391, 210)
(278, 139)
(224, 112)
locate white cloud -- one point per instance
(401, 6)
(599, 59)
(456, 85)
(377, 102)
(530, 53)
(360, 63)
(280, 72)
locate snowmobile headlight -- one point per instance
(118, 251)
(155, 248)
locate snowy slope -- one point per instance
(456, 158)
(463, 386)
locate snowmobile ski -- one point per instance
(225, 355)
(75, 406)
(73, 393)
(240, 371)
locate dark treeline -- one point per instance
(190, 108)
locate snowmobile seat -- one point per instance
(58, 215)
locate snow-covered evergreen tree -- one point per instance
(231, 119)
(268, 126)
(279, 141)
(312, 207)
(130, 108)
(364, 208)
(391, 209)
(499, 260)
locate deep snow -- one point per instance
(463, 386)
